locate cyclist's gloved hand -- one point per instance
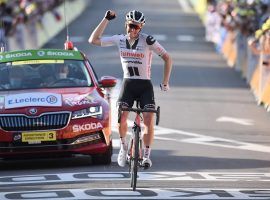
(110, 15)
(164, 87)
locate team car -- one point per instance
(52, 103)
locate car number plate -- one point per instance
(35, 137)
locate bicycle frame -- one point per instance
(135, 142)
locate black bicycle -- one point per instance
(135, 148)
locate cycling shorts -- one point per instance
(137, 89)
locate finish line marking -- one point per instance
(124, 176)
(140, 193)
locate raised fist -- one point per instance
(110, 15)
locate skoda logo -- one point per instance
(41, 53)
(33, 111)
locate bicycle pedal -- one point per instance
(146, 166)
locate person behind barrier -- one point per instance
(261, 43)
(135, 53)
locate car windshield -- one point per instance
(32, 74)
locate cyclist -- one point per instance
(136, 54)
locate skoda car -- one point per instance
(52, 103)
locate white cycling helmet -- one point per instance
(135, 16)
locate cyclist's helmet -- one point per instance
(135, 16)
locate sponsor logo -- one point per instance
(32, 99)
(51, 99)
(17, 136)
(17, 55)
(59, 53)
(134, 62)
(132, 54)
(74, 102)
(87, 127)
(32, 111)
(41, 53)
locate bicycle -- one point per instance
(134, 158)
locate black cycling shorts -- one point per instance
(137, 89)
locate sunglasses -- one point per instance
(134, 26)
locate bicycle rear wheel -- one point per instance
(135, 160)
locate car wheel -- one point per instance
(103, 159)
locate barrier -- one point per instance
(254, 83)
(33, 35)
(229, 49)
(266, 95)
(251, 67)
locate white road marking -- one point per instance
(107, 175)
(40, 194)
(123, 176)
(77, 39)
(185, 6)
(185, 38)
(242, 121)
(114, 156)
(120, 193)
(140, 193)
(37, 178)
(160, 37)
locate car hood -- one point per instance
(64, 99)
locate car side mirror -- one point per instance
(107, 82)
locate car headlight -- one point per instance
(95, 111)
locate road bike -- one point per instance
(135, 147)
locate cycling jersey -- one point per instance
(135, 58)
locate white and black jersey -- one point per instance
(135, 58)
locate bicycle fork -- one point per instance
(136, 135)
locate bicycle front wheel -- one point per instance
(135, 160)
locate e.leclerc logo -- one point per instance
(32, 99)
(51, 99)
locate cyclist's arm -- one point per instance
(167, 68)
(159, 50)
(95, 37)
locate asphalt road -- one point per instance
(213, 141)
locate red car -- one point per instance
(52, 103)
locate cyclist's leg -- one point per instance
(148, 101)
(148, 134)
(122, 128)
(125, 99)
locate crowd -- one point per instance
(14, 14)
(240, 30)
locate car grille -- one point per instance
(45, 121)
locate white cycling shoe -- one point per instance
(146, 163)
(122, 157)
